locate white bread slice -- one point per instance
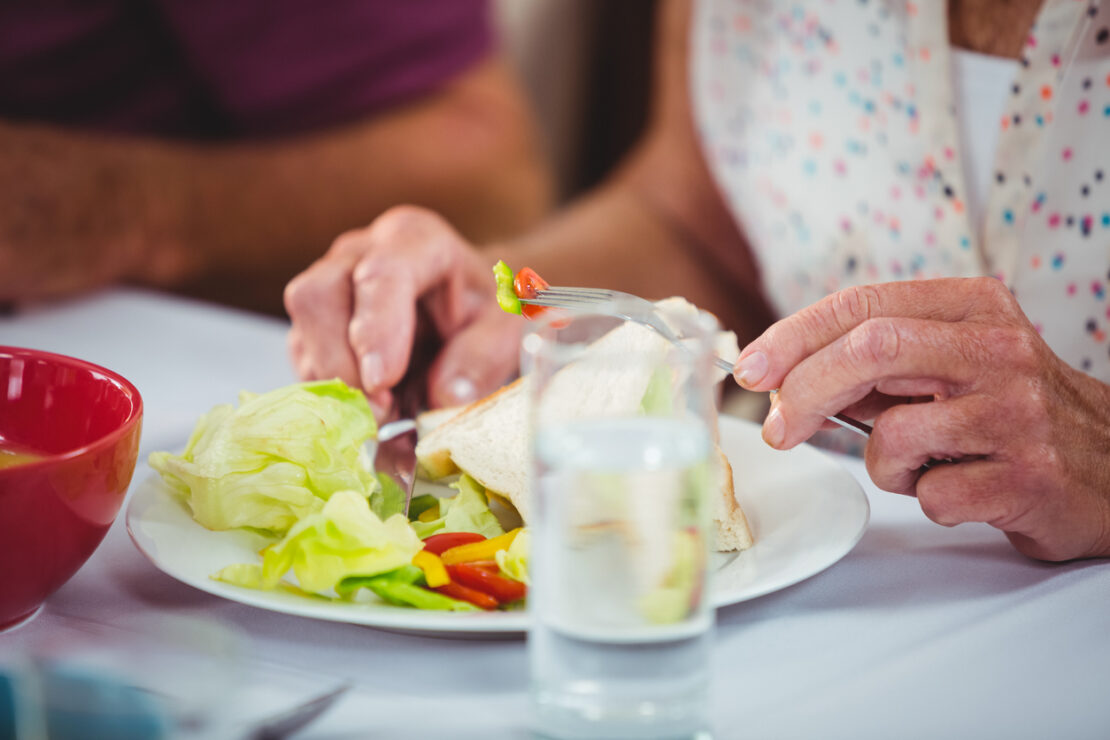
(429, 420)
(732, 530)
(488, 439)
(724, 343)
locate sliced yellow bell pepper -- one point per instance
(484, 550)
(434, 571)
(430, 514)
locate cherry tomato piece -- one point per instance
(478, 598)
(531, 312)
(501, 588)
(437, 543)
(527, 283)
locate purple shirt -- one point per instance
(228, 68)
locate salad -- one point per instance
(291, 465)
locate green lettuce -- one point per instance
(389, 499)
(466, 511)
(420, 504)
(343, 540)
(513, 562)
(276, 458)
(673, 599)
(401, 587)
(506, 292)
(658, 399)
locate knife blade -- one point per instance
(395, 455)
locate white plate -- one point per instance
(806, 512)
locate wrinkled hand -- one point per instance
(1028, 436)
(405, 293)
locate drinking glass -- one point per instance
(623, 425)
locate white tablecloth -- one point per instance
(921, 631)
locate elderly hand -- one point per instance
(1028, 436)
(408, 281)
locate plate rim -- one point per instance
(485, 624)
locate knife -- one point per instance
(395, 455)
(396, 451)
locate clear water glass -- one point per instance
(623, 465)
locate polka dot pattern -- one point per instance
(832, 129)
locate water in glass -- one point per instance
(620, 640)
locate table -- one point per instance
(921, 631)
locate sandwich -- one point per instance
(488, 439)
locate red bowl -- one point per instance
(85, 421)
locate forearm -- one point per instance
(225, 215)
(69, 213)
(467, 154)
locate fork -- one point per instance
(641, 311)
(283, 724)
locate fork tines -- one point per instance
(575, 295)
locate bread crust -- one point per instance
(435, 462)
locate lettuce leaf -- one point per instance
(513, 562)
(276, 458)
(658, 399)
(344, 539)
(466, 511)
(673, 599)
(420, 504)
(401, 587)
(389, 499)
(406, 594)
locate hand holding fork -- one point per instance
(641, 311)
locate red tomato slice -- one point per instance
(438, 543)
(526, 284)
(465, 593)
(531, 312)
(501, 588)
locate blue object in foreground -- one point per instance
(70, 703)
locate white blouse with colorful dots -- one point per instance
(832, 128)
